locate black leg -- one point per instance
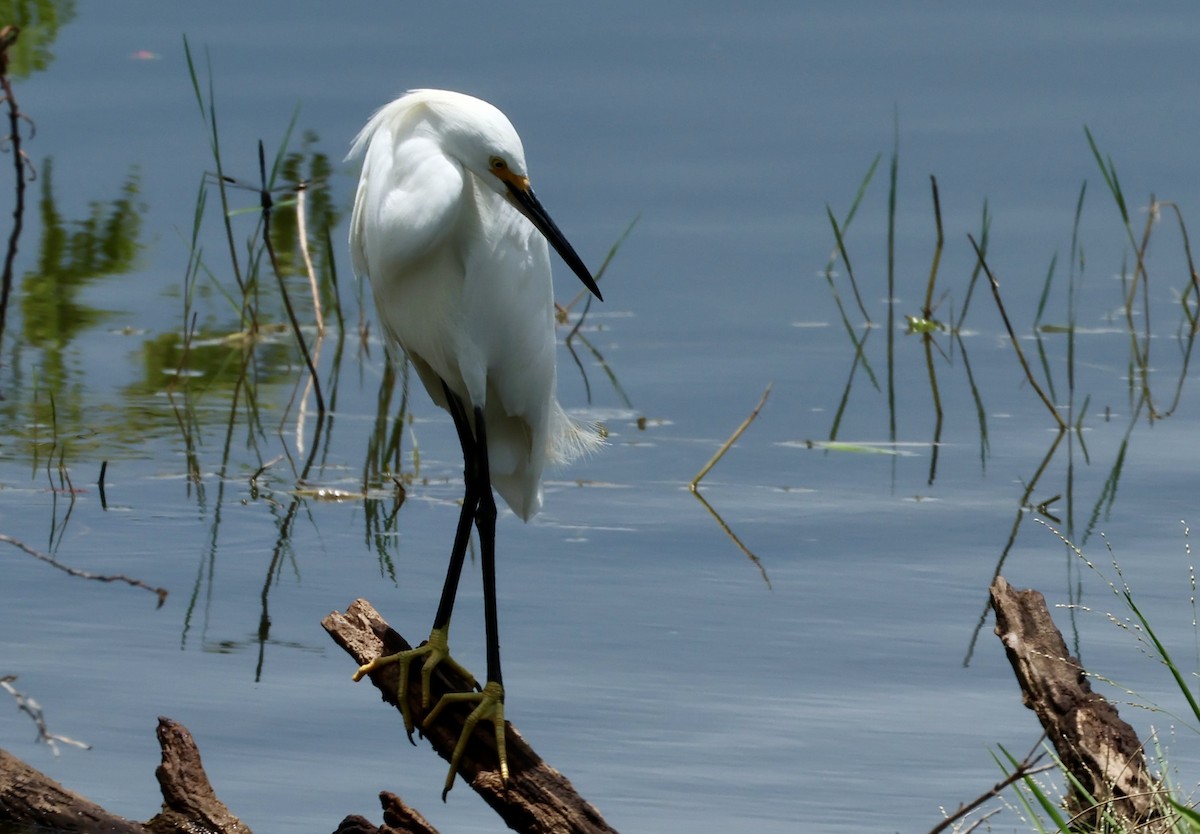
(471, 498)
(479, 507)
(485, 522)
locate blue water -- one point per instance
(645, 655)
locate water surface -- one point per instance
(646, 654)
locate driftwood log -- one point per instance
(30, 798)
(1095, 745)
(537, 798)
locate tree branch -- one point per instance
(537, 798)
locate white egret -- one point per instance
(453, 240)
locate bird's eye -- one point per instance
(498, 164)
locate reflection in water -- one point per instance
(71, 254)
(1067, 406)
(727, 530)
(694, 486)
(563, 315)
(39, 22)
(382, 467)
(312, 168)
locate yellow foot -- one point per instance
(435, 650)
(489, 705)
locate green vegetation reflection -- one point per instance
(72, 254)
(39, 22)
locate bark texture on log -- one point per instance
(537, 799)
(1095, 745)
(188, 797)
(29, 797)
(398, 818)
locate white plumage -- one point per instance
(444, 227)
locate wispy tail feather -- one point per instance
(570, 438)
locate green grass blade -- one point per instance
(862, 189)
(1049, 807)
(985, 227)
(1109, 171)
(187, 51)
(281, 153)
(891, 277)
(1045, 290)
(1189, 815)
(841, 248)
(1163, 654)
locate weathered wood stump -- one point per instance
(1095, 745)
(29, 797)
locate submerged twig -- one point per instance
(695, 483)
(34, 710)
(82, 574)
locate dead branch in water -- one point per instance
(537, 799)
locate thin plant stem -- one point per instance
(612, 252)
(891, 282)
(927, 310)
(841, 248)
(694, 485)
(1013, 336)
(985, 228)
(839, 233)
(267, 203)
(209, 114)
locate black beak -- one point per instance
(529, 205)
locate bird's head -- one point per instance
(484, 141)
